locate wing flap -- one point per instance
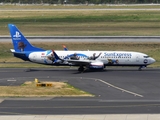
(80, 62)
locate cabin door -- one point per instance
(137, 58)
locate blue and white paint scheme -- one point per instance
(23, 49)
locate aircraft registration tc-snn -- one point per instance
(96, 60)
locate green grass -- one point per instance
(79, 16)
(82, 23)
(76, 6)
(29, 89)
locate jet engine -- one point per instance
(96, 65)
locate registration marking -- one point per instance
(123, 90)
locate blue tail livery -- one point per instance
(20, 43)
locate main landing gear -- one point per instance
(81, 69)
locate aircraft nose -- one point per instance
(152, 60)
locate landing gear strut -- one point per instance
(81, 69)
(140, 68)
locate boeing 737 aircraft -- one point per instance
(84, 59)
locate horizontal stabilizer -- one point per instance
(12, 50)
(82, 62)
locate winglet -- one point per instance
(64, 47)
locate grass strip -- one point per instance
(79, 6)
(82, 23)
(29, 89)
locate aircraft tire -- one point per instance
(81, 69)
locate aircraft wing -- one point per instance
(80, 62)
(56, 56)
(87, 63)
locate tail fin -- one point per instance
(20, 43)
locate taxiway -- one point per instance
(116, 90)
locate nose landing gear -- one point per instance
(81, 69)
(140, 68)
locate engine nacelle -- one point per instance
(96, 65)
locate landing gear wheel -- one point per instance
(81, 69)
(140, 68)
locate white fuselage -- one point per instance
(115, 58)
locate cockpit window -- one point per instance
(146, 56)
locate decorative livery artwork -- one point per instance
(17, 35)
(48, 56)
(94, 57)
(21, 46)
(112, 61)
(74, 57)
(51, 57)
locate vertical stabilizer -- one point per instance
(20, 43)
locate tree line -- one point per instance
(80, 1)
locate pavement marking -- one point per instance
(11, 80)
(109, 85)
(1, 100)
(123, 90)
(83, 117)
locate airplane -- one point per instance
(96, 60)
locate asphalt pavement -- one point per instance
(117, 91)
